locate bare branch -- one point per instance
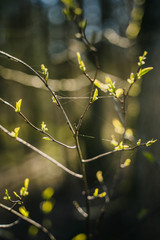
(36, 128)
(46, 85)
(111, 152)
(41, 153)
(29, 220)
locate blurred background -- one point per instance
(37, 32)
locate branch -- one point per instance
(29, 220)
(46, 85)
(41, 153)
(9, 224)
(111, 152)
(38, 129)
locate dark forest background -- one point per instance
(37, 32)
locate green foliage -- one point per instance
(7, 196)
(142, 58)
(54, 100)
(44, 127)
(15, 132)
(144, 71)
(81, 63)
(18, 106)
(45, 72)
(123, 140)
(149, 143)
(23, 211)
(95, 95)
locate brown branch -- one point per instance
(111, 152)
(34, 127)
(29, 220)
(41, 153)
(46, 85)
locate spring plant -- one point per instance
(124, 143)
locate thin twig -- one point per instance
(111, 152)
(83, 169)
(9, 224)
(36, 128)
(41, 153)
(46, 85)
(29, 220)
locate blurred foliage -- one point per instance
(37, 32)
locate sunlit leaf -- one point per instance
(23, 211)
(102, 195)
(17, 195)
(81, 63)
(18, 106)
(26, 183)
(119, 92)
(139, 142)
(144, 71)
(95, 95)
(15, 132)
(131, 80)
(95, 194)
(7, 196)
(47, 138)
(43, 127)
(149, 143)
(54, 100)
(101, 85)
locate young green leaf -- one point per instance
(142, 58)
(144, 71)
(81, 63)
(7, 196)
(95, 95)
(149, 143)
(95, 194)
(131, 80)
(26, 183)
(54, 100)
(43, 127)
(24, 192)
(111, 86)
(18, 106)
(47, 138)
(23, 211)
(139, 142)
(16, 194)
(102, 195)
(45, 72)
(15, 132)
